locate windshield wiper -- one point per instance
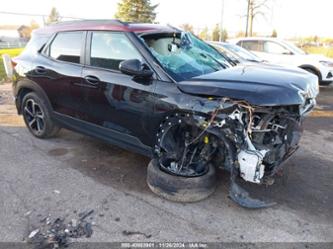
(222, 64)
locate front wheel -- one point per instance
(37, 117)
(179, 188)
(182, 169)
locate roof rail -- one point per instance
(92, 21)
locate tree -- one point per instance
(34, 24)
(187, 27)
(274, 33)
(240, 34)
(136, 11)
(53, 17)
(204, 34)
(216, 33)
(224, 35)
(24, 32)
(254, 9)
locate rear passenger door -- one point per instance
(59, 67)
(116, 102)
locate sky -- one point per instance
(290, 18)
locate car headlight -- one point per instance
(326, 63)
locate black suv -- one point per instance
(164, 93)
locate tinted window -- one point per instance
(251, 45)
(274, 48)
(108, 49)
(67, 46)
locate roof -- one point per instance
(111, 25)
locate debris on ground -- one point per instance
(56, 191)
(57, 233)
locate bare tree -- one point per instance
(255, 8)
(187, 27)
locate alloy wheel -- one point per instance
(34, 116)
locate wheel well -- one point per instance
(312, 68)
(22, 92)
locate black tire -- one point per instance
(310, 70)
(37, 118)
(179, 188)
(325, 83)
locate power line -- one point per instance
(40, 15)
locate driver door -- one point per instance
(115, 101)
(277, 53)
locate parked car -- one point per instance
(284, 53)
(168, 95)
(236, 53)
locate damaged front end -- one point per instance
(251, 142)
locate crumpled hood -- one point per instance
(264, 85)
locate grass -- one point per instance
(320, 50)
(12, 52)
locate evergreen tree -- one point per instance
(136, 11)
(54, 16)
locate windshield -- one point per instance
(183, 56)
(243, 53)
(227, 52)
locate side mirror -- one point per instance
(134, 67)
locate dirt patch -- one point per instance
(6, 96)
(11, 120)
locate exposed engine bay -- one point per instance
(251, 142)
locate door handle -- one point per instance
(92, 80)
(40, 70)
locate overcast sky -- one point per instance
(288, 17)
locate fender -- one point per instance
(24, 86)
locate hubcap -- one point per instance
(34, 116)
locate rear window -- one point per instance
(66, 46)
(35, 44)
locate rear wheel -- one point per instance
(36, 116)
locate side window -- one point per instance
(108, 49)
(274, 48)
(66, 46)
(252, 45)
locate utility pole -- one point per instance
(222, 17)
(247, 18)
